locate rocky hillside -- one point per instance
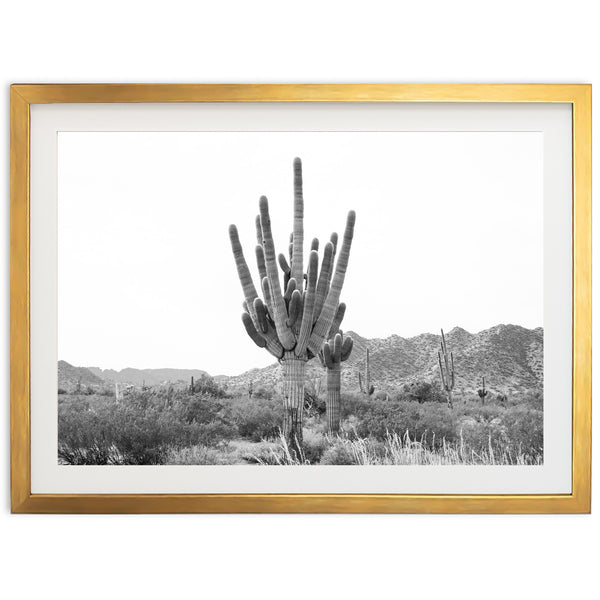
(70, 377)
(510, 357)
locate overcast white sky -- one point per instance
(449, 232)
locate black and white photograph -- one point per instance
(300, 298)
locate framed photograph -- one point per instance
(301, 298)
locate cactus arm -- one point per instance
(324, 279)
(309, 304)
(334, 241)
(347, 345)
(314, 245)
(325, 320)
(260, 261)
(298, 322)
(242, 269)
(261, 315)
(283, 264)
(298, 239)
(251, 331)
(327, 357)
(337, 348)
(269, 339)
(267, 295)
(337, 320)
(259, 237)
(295, 308)
(284, 333)
(289, 290)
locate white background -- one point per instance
(293, 556)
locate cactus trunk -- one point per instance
(294, 372)
(446, 369)
(368, 375)
(333, 398)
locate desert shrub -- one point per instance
(140, 430)
(353, 404)
(96, 454)
(423, 391)
(313, 405)
(525, 427)
(338, 453)
(106, 391)
(315, 443)
(533, 399)
(205, 384)
(258, 419)
(431, 423)
(263, 393)
(197, 408)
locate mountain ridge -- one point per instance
(510, 357)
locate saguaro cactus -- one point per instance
(446, 369)
(291, 322)
(482, 392)
(366, 388)
(335, 351)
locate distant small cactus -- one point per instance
(482, 392)
(367, 387)
(446, 369)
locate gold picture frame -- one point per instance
(23, 501)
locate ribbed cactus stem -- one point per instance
(297, 267)
(335, 351)
(294, 372)
(284, 333)
(446, 363)
(309, 304)
(324, 280)
(326, 317)
(333, 403)
(368, 374)
(334, 242)
(259, 237)
(260, 261)
(242, 268)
